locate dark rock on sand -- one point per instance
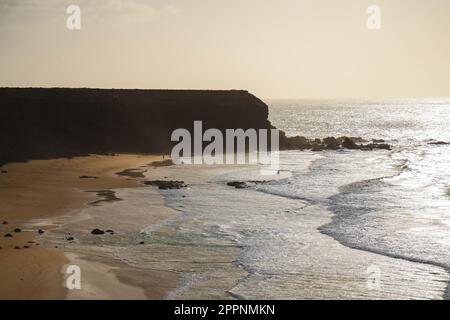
(8, 235)
(132, 173)
(4, 171)
(165, 185)
(258, 181)
(237, 184)
(17, 247)
(245, 184)
(142, 242)
(110, 231)
(162, 163)
(97, 232)
(40, 231)
(5, 222)
(17, 230)
(88, 177)
(70, 239)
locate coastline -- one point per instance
(42, 194)
(207, 252)
(276, 249)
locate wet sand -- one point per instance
(34, 195)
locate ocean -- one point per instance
(346, 224)
(336, 220)
(395, 203)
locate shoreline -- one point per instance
(153, 253)
(315, 265)
(41, 194)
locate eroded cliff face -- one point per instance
(37, 123)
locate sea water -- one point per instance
(319, 230)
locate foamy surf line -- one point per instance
(341, 273)
(400, 247)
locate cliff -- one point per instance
(37, 123)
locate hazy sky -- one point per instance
(273, 48)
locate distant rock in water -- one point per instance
(331, 143)
(165, 185)
(97, 232)
(349, 144)
(439, 143)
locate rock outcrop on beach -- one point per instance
(245, 184)
(166, 185)
(37, 123)
(97, 232)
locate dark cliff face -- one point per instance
(47, 123)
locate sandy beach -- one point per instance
(34, 195)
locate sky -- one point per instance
(314, 49)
